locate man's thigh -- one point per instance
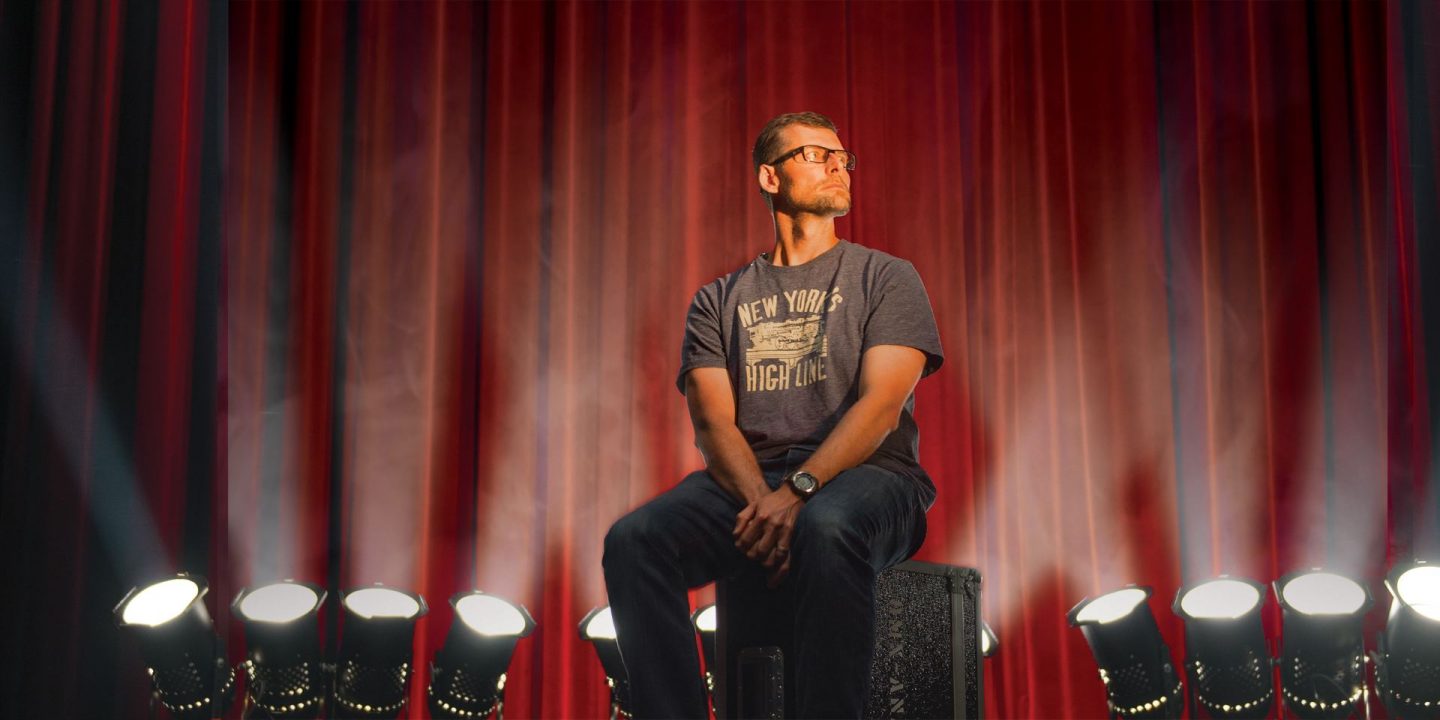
(882, 510)
(694, 522)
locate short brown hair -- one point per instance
(767, 145)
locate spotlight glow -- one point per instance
(489, 615)
(278, 603)
(382, 602)
(1220, 599)
(705, 621)
(601, 627)
(1111, 606)
(1323, 593)
(160, 603)
(1420, 589)
(987, 639)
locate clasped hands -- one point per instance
(763, 530)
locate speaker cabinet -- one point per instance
(927, 661)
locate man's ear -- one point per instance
(769, 179)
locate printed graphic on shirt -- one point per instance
(788, 353)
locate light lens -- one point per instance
(382, 602)
(985, 642)
(489, 615)
(1220, 600)
(1420, 589)
(1111, 606)
(705, 621)
(601, 627)
(278, 603)
(1323, 593)
(160, 603)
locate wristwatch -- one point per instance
(803, 484)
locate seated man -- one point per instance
(799, 370)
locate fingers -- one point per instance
(742, 519)
(765, 543)
(780, 552)
(764, 526)
(779, 555)
(752, 533)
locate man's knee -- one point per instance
(631, 535)
(824, 525)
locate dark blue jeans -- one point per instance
(863, 521)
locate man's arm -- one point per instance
(888, 374)
(727, 456)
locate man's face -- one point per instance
(818, 188)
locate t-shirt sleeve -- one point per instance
(900, 314)
(702, 346)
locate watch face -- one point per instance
(804, 482)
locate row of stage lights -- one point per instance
(1228, 667)
(287, 676)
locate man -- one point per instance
(799, 370)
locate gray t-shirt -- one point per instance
(792, 338)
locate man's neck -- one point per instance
(801, 238)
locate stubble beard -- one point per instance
(833, 204)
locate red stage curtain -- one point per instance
(1178, 254)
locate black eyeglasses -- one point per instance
(817, 154)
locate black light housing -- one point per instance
(1408, 672)
(1135, 665)
(284, 673)
(1322, 648)
(185, 657)
(467, 679)
(598, 628)
(376, 654)
(1227, 659)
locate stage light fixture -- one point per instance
(1408, 672)
(1227, 660)
(375, 662)
(598, 628)
(704, 619)
(185, 658)
(989, 643)
(1322, 648)
(467, 679)
(284, 673)
(1135, 665)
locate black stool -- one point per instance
(927, 651)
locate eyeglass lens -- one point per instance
(817, 154)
